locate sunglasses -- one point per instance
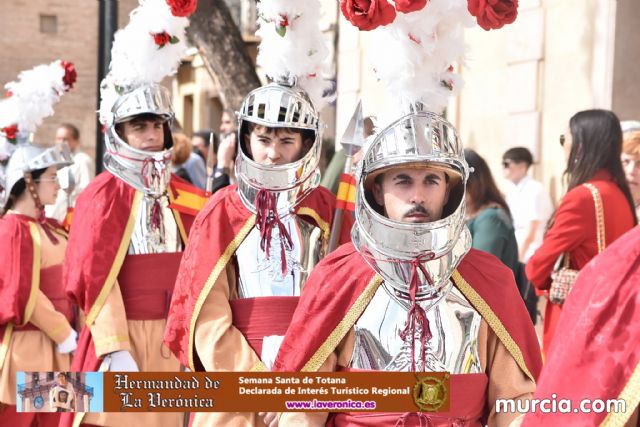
(562, 140)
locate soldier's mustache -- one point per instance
(417, 209)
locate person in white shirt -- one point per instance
(62, 398)
(82, 170)
(528, 201)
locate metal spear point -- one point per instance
(352, 141)
(210, 167)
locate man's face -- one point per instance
(64, 135)
(144, 134)
(514, 171)
(631, 166)
(412, 194)
(278, 147)
(226, 124)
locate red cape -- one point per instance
(597, 350)
(344, 283)
(98, 243)
(100, 217)
(18, 284)
(217, 232)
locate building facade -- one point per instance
(34, 393)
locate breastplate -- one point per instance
(453, 347)
(262, 276)
(146, 239)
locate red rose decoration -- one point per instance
(493, 14)
(10, 132)
(70, 74)
(406, 6)
(161, 38)
(182, 8)
(368, 14)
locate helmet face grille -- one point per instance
(279, 106)
(150, 99)
(421, 140)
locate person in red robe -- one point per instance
(255, 243)
(592, 147)
(390, 300)
(596, 352)
(131, 224)
(36, 318)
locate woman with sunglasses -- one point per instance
(592, 147)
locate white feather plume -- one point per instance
(292, 45)
(32, 98)
(413, 54)
(135, 57)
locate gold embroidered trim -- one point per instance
(213, 276)
(60, 328)
(176, 216)
(259, 367)
(77, 419)
(6, 339)
(344, 326)
(35, 273)
(492, 320)
(111, 339)
(324, 226)
(631, 395)
(117, 262)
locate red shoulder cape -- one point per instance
(100, 218)
(19, 260)
(596, 352)
(16, 268)
(217, 232)
(344, 283)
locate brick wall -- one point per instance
(23, 46)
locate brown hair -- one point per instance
(181, 149)
(631, 143)
(481, 187)
(75, 133)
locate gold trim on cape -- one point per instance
(631, 395)
(344, 326)
(35, 273)
(6, 338)
(324, 226)
(211, 280)
(259, 367)
(117, 262)
(492, 320)
(176, 216)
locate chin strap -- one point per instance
(267, 218)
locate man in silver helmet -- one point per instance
(409, 294)
(254, 244)
(125, 246)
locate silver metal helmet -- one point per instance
(145, 171)
(278, 105)
(29, 157)
(394, 249)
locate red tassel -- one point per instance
(266, 218)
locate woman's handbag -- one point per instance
(563, 277)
